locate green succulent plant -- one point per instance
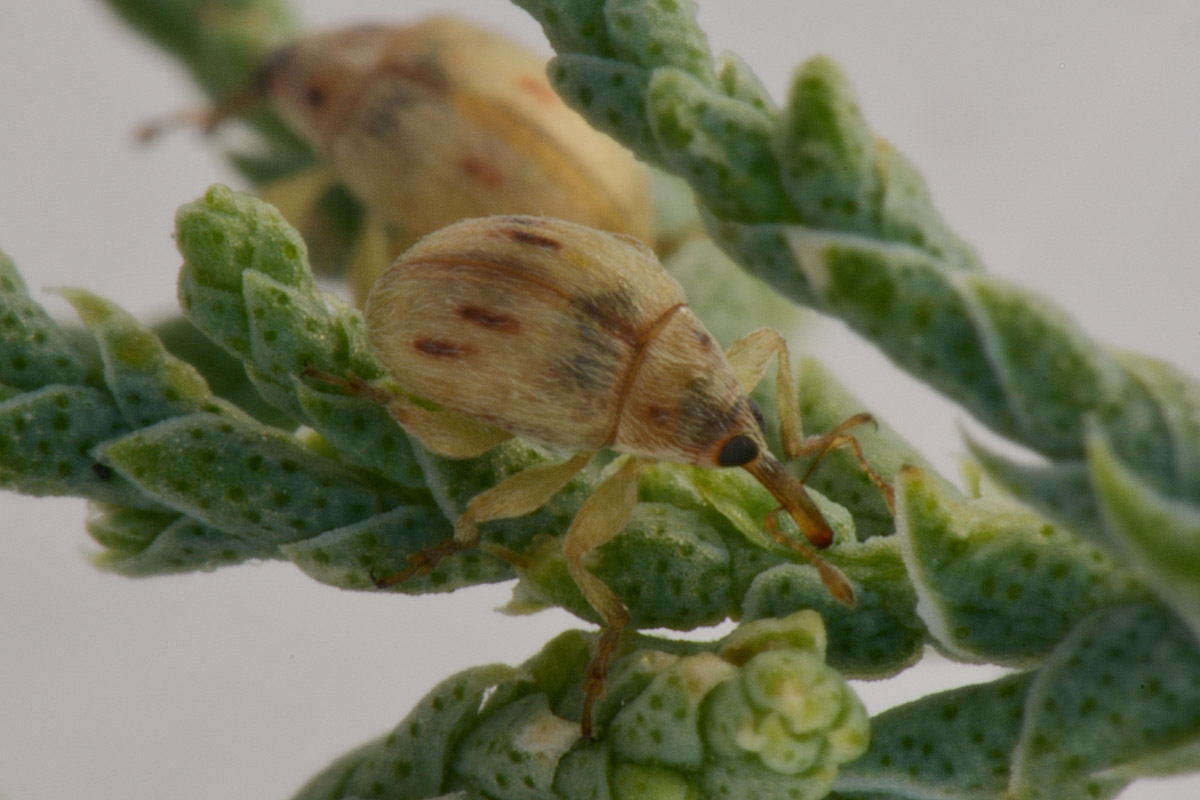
(1088, 588)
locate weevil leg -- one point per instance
(297, 195)
(837, 583)
(351, 384)
(446, 433)
(749, 357)
(443, 432)
(601, 517)
(206, 118)
(515, 496)
(794, 499)
(375, 248)
(823, 443)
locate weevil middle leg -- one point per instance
(750, 356)
(454, 436)
(602, 516)
(515, 496)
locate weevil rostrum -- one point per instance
(433, 122)
(577, 339)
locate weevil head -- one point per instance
(738, 438)
(684, 403)
(313, 81)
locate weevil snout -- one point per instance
(787, 489)
(795, 500)
(744, 445)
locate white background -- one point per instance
(1060, 138)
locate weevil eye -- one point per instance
(739, 450)
(314, 95)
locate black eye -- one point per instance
(314, 95)
(739, 450)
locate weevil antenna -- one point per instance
(791, 494)
(206, 118)
(795, 500)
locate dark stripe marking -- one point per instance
(490, 318)
(483, 171)
(535, 239)
(442, 348)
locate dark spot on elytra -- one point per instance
(490, 318)
(659, 415)
(315, 96)
(384, 115)
(102, 472)
(442, 348)
(482, 171)
(538, 87)
(425, 72)
(591, 363)
(587, 371)
(615, 310)
(535, 239)
(523, 220)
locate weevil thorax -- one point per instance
(440, 121)
(568, 335)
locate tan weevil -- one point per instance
(580, 340)
(429, 123)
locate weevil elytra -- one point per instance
(580, 340)
(433, 122)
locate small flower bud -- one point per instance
(766, 716)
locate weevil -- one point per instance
(429, 123)
(580, 340)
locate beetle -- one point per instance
(428, 123)
(580, 340)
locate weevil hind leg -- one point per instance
(750, 356)
(445, 433)
(515, 496)
(442, 432)
(602, 516)
(351, 384)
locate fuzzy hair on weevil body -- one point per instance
(562, 334)
(578, 339)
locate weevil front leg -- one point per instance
(749, 357)
(602, 516)
(515, 496)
